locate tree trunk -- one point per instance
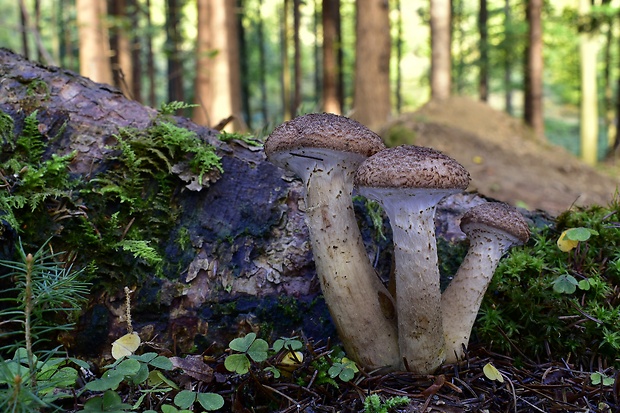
(398, 95)
(150, 60)
(176, 90)
(440, 50)
(244, 73)
(533, 104)
(371, 103)
(285, 79)
(135, 49)
(262, 65)
(483, 76)
(588, 50)
(296, 101)
(218, 83)
(94, 44)
(331, 45)
(122, 67)
(508, 42)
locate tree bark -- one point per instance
(372, 105)
(483, 76)
(218, 82)
(588, 50)
(93, 41)
(440, 50)
(331, 44)
(533, 105)
(122, 65)
(176, 90)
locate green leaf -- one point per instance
(580, 234)
(492, 373)
(128, 367)
(242, 344)
(584, 284)
(145, 358)
(108, 381)
(565, 284)
(184, 399)
(210, 401)
(258, 350)
(237, 363)
(599, 378)
(110, 402)
(162, 362)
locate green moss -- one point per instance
(400, 134)
(126, 212)
(523, 311)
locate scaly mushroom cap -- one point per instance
(410, 166)
(499, 216)
(323, 131)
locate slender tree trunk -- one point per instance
(316, 22)
(286, 71)
(533, 105)
(331, 95)
(175, 63)
(296, 101)
(483, 80)
(136, 57)
(150, 59)
(243, 67)
(37, 27)
(122, 67)
(440, 49)
(399, 55)
(371, 105)
(94, 44)
(588, 50)
(262, 66)
(218, 83)
(459, 40)
(610, 126)
(508, 41)
(23, 13)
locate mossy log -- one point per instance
(248, 263)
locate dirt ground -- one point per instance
(505, 160)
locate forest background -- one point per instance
(554, 63)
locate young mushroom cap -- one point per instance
(492, 228)
(324, 150)
(408, 181)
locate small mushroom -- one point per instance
(408, 181)
(324, 150)
(492, 228)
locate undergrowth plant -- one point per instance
(40, 296)
(125, 209)
(558, 297)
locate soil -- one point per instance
(506, 161)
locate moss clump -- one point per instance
(524, 311)
(126, 211)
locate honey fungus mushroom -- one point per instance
(409, 181)
(492, 228)
(324, 150)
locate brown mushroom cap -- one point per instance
(410, 166)
(326, 131)
(499, 216)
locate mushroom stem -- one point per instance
(418, 295)
(461, 300)
(361, 307)
(492, 228)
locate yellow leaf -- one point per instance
(566, 245)
(292, 358)
(492, 373)
(125, 346)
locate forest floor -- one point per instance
(505, 160)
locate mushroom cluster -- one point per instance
(418, 328)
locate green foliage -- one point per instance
(248, 347)
(344, 369)
(126, 210)
(145, 374)
(560, 303)
(374, 404)
(43, 293)
(249, 140)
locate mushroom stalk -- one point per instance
(461, 300)
(360, 305)
(491, 228)
(418, 295)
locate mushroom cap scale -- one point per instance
(496, 216)
(409, 166)
(323, 130)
